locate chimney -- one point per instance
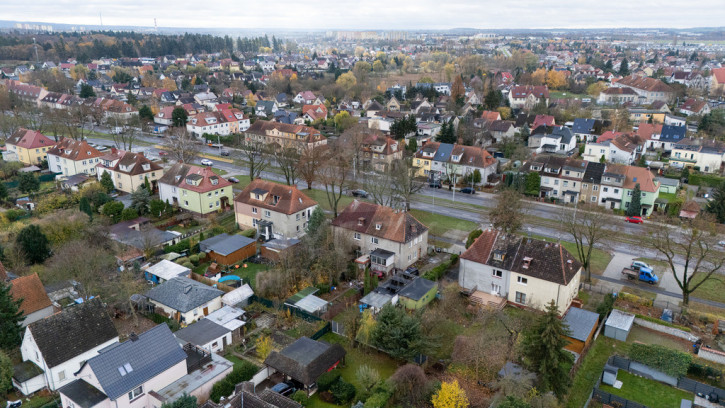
(133, 336)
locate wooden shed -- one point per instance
(228, 249)
(582, 326)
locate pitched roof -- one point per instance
(199, 179)
(672, 133)
(647, 130)
(201, 332)
(29, 139)
(261, 127)
(593, 173)
(30, 289)
(581, 322)
(480, 250)
(74, 150)
(290, 199)
(305, 360)
(130, 163)
(719, 74)
(73, 331)
(417, 289)
(183, 294)
(490, 116)
(645, 83)
(364, 217)
(642, 176)
(522, 91)
(152, 353)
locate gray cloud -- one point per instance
(372, 14)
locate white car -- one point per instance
(640, 265)
(207, 162)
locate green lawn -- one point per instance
(600, 258)
(249, 273)
(219, 172)
(713, 289)
(668, 196)
(440, 224)
(567, 95)
(590, 370)
(238, 362)
(321, 197)
(355, 358)
(648, 392)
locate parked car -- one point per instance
(163, 153)
(359, 193)
(207, 162)
(285, 388)
(233, 180)
(435, 184)
(643, 274)
(14, 404)
(225, 153)
(468, 190)
(635, 219)
(637, 265)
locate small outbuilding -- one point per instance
(206, 334)
(164, 271)
(582, 326)
(418, 293)
(618, 325)
(275, 249)
(306, 360)
(226, 249)
(239, 296)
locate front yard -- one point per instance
(440, 224)
(648, 392)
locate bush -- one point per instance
(249, 233)
(323, 288)
(194, 259)
(182, 246)
(438, 272)
(454, 258)
(377, 400)
(13, 215)
(606, 306)
(301, 397)
(670, 362)
(225, 387)
(703, 371)
(327, 379)
(182, 260)
(188, 265)
(342, 391)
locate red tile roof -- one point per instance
(206, 180)
(364, 217)
(290, 199)
(29, 139)
(74, 150)
(480, 250)
(719, 75)
(31, 290)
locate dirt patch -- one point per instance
(128, 324)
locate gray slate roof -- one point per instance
(155, 351)
(72, 332)
(417, 289)
(305, 360)
(82, 393)
(620, 320)
(225, 244)
(581, 322)
(183, 294)
(201, 332)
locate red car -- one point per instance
(635, 219)
(163, 153)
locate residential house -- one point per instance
(165, 116)
(717, 82)
(380, 151)
(591, 182)
(526, 272)
(27, 146)
(622, 148)
(185, 300)
(393, 105)
(207, 335)
(129, 170)
(702, 154)
(501, 130)
(650, 133)
(561, 177)
(526, 97)
(196, 189)
(543, 120)
(612, 186)
(223, 122)
(617, 96)
(307, 98)
(648, 185)
(671, 135)
(313, 113)
(283, 135)
(35, 303)
(70, 157)
(441, 161)
(694, 106)
(648, 89)
(225, 249)
(491, 116)
(59, 344)
(275, 210)
(147, 370)
(587, 130)
(139, 233)
(266, 109)
(370, 226)
(552, 139)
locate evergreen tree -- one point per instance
(533, 184)
(3, 191)
(446, 134)
(624, 67)
(179, 117)
(34, 244)
(107, 182)
(635, 206)
(85, 206)
(397, 333)
(317, 219)
(147, 185)
(6, 374)
(140, 200)
(87, 91)
(716, 205)
(27, 182)
(145, 112)
(11, 318)
(543, 347)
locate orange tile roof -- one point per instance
(74, 150)
(643, 177)
(31, 290)
(364, 217)
(290, 198)
(480, 250)
(29, 139)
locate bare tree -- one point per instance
(334, 175)
(124, 135)
(693, 244)
(56, 122)
(288, 159)
(78, 117)
(352, 142)
(404, 181)
(311, 159)
(87, 264)
(476, 352)
(587, 226)
(256, 154)
(379, 186)
(183, 146)
(509, 212)
(9, 123)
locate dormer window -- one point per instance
(361, 221)
(146, 167)
(527, 262)
(499, 255)
(214, 181)
(275, 200)
(378, 226)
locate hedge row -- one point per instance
(708, 180)
(224, 388)
(662, 322)
(440, 270)
(669, 361)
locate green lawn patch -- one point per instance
(713, 288)
(668, 196)
(648, 392)
(567, 95)
(321, 197)
(440, 224)
(218, 172)
(590, 370)
(238, 362)
(249, 273)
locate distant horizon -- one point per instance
(373, 15)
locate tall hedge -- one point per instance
(670, 362)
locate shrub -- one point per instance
(438, 272)
(249, 233)
(182, 246)
(323, 288)
(194, 259)
(182, 260)
(188, 265)
(301, 397)
(342, 391)
(225, 387)
(454, 258)
(670, 362)
(606, 306)
(377, 400)
(327, 379)
(13, 215)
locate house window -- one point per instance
(61, 375)
(373, 240)
(215, 344)
(585, 185)
(520, 297)
(522, 280)
(254, 210)
(595, 188)
(135, 393)
(594, 198)
(378, 226)
(605, 189)
(496, 273)
(629, 193)
(267, 213)
(356, 236)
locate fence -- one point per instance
(323, 331)
(607, 398)
(337, 328)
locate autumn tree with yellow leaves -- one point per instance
(450, 395)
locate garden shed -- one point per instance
(582, 325)
(618, 325)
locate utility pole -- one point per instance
(100, 17)
(35, 45)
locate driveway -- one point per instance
(622, 260)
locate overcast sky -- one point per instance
(373, 14)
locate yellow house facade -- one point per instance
(129, 170)
(28, 147)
